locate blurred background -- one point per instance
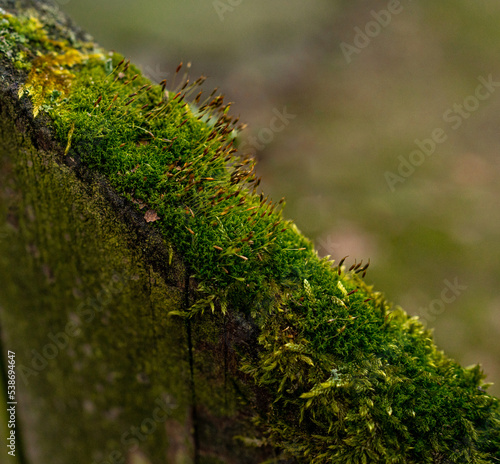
(338, 96)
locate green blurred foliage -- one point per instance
(352, 123)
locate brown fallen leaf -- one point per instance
(151, 216)
(139, 202)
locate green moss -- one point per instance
(27, 43)
(20, 36)
(350, 378)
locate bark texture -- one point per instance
(103, 374)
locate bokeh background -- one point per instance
(355, 115)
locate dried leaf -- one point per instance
(151, 216)
(139, 202)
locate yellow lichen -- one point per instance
(51, 72)
(31, 27)
(50, 69)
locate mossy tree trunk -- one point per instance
(103, 374)
(161, 311)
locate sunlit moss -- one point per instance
(51, 73)
(28, 28)
(50, 65)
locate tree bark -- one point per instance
(103, 374)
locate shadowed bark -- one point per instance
(103, 374)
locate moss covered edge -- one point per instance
(350, 378)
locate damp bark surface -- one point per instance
(103, 374)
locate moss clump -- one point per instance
(349, 378)
(49, 61)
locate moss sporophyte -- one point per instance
(351, 378)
